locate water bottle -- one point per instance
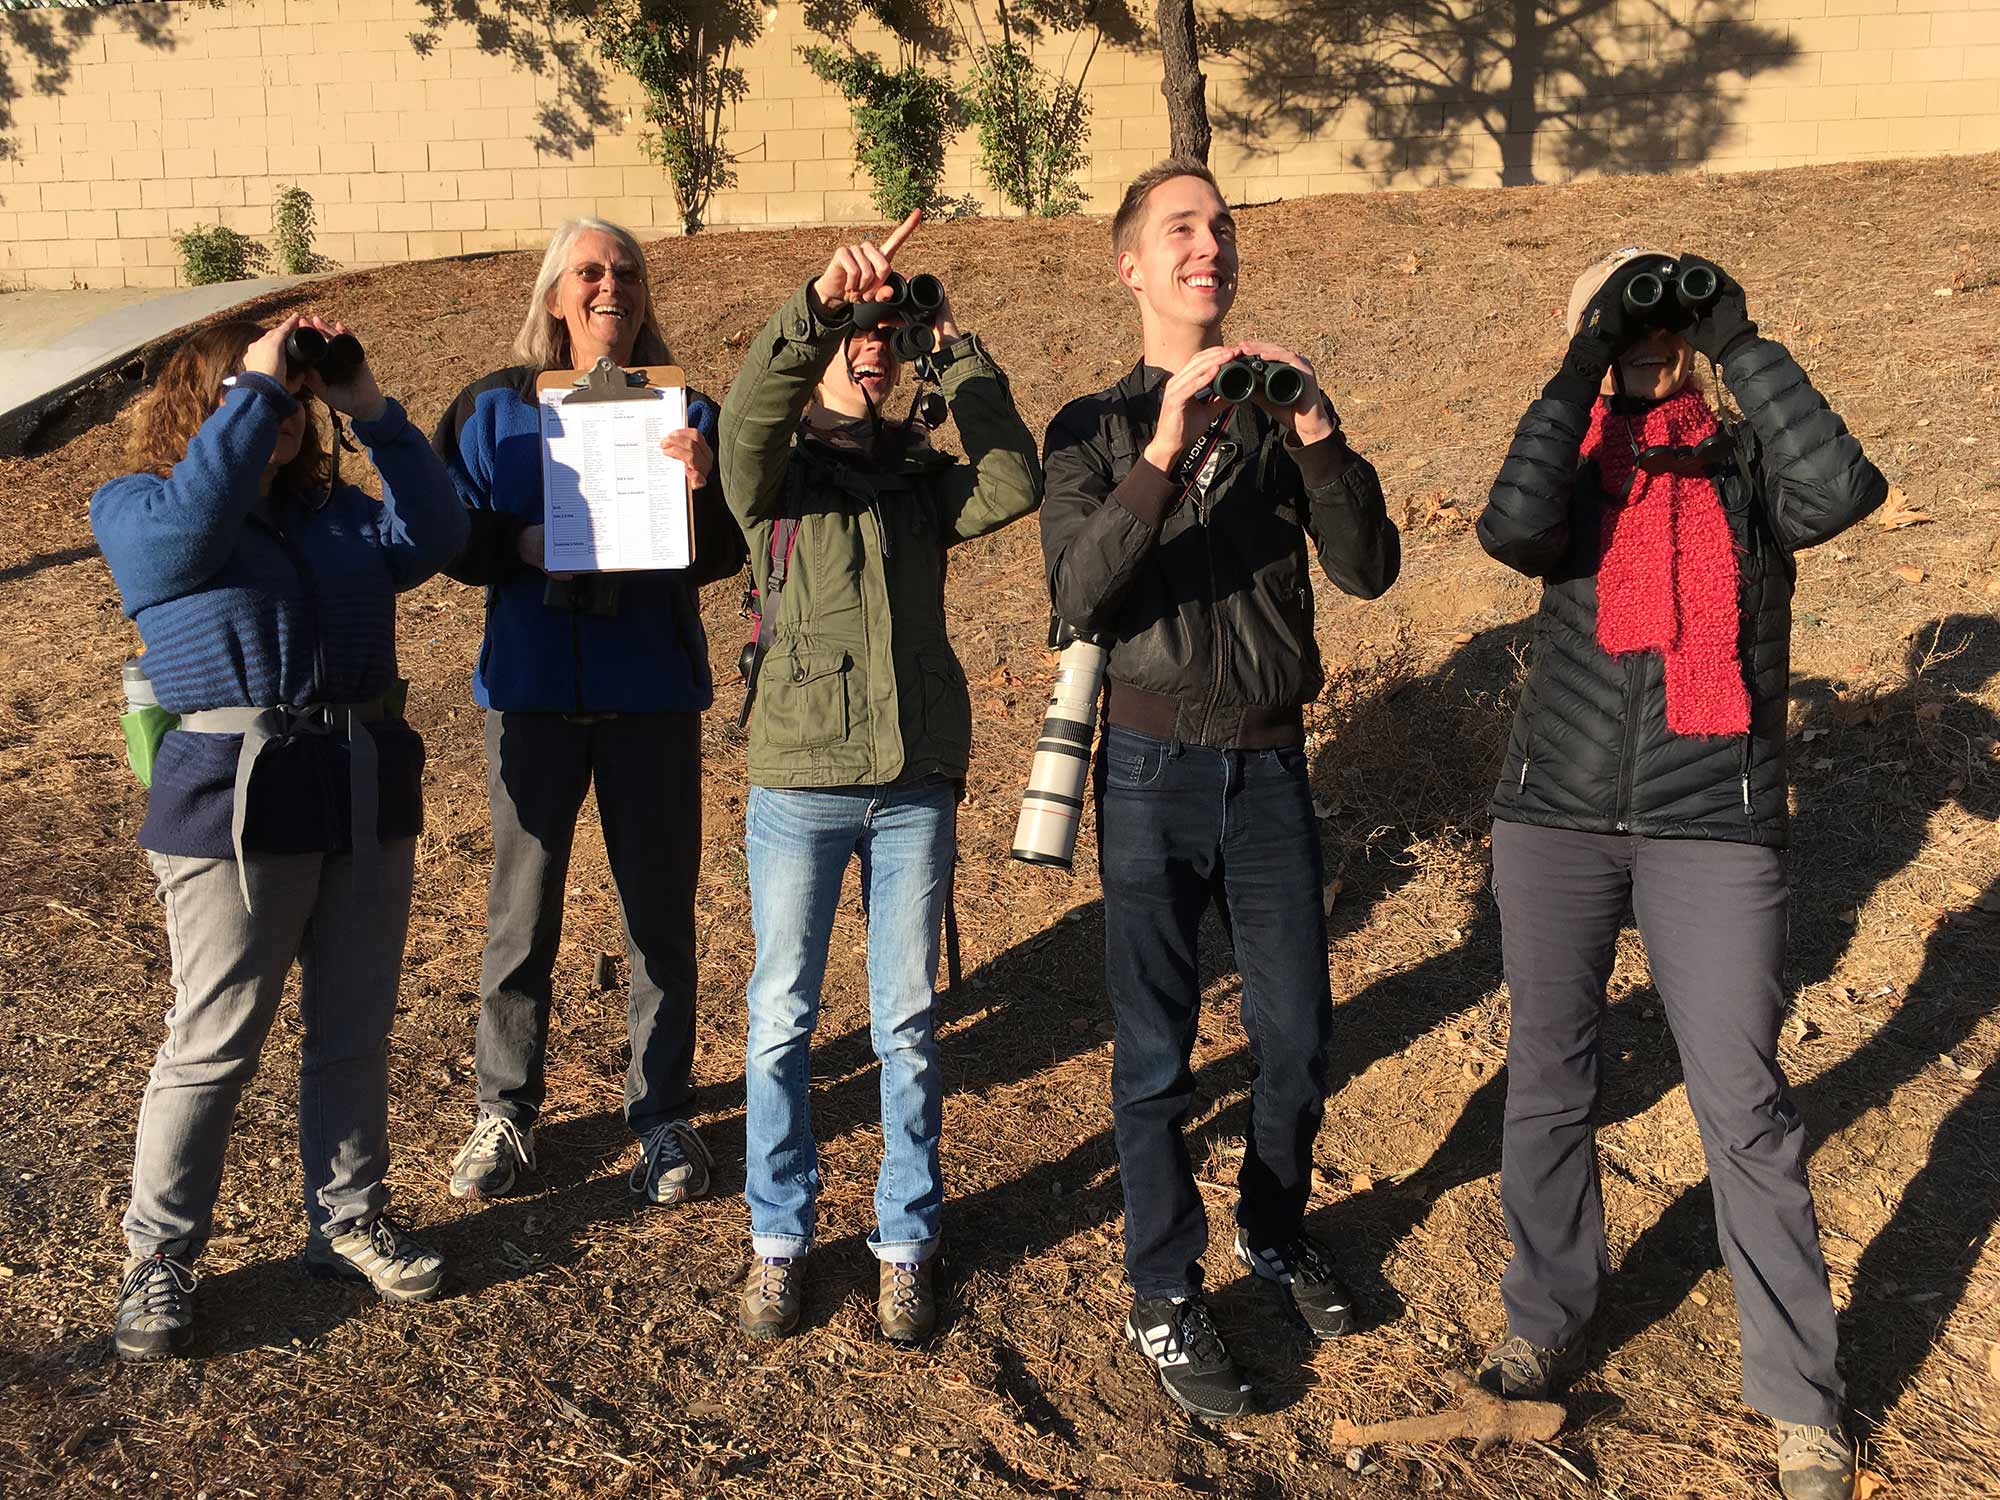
(144, 722)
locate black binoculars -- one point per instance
(1672, 296)
(1241, 379)
(915, 299)
(336, 359)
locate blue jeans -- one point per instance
(799, 844)
(1179, 827)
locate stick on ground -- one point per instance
(1480, 1415)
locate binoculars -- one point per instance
(913, 299)
(336, 359)
(1672, 296)
(1241, 379)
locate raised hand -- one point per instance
(860, 272)
(267, 355)
(1306, 416)
(357, 396)
(1726, 320)
(1185, 408)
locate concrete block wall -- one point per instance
(160, 117)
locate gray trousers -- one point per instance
(229, 970)
(1713, 918)
(647, 768)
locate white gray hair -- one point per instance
(543, 342)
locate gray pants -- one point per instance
(1713, 918)
(229, 970)
(647, 768)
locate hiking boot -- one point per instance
(1304, 1267)
(155, 1315)
(381, 1253)
(1188, 1355)
(905, 1305)
(771, 1297)
(673, 1164)
(491, 1158)
(1814, 1463)
(1520, 1371)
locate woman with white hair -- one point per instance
(1647, 768)
(585, 678)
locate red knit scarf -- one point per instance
(1666, 576)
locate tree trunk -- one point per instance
(1183, 84)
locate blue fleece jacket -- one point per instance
(651, 655)
(248, 601)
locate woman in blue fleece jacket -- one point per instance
(587, 679)
(284, 807)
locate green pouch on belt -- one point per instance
(144, 729)
(395, 697)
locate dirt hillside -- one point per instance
(591, 1349)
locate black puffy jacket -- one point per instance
(1201, 592)
(1590, 748)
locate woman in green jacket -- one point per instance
(860, 735)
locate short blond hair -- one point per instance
(543, 342)
(1132, 207)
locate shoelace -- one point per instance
(391, 1241)
(774, 1276)
(665, 1148)
(903, 1294)
(1812, 1448)
(1198, 1335)
(1522, 1361)
(1306, 1261)
(491, 1132)
(160, 1283)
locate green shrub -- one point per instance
(214, 253)
(1032, 127)
(292, 234)
(902, 123)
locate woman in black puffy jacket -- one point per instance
(1646, 765)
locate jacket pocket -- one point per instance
(803, 699)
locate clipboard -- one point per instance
(612, 502)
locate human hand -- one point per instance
(1185, 407)
(945, 322)
(357, 396)
(267, 355)
(691, 448)
(528, 545)
(860, 272)
(1726, 320)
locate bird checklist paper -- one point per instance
(612, 501)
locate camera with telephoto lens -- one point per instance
(336, 359)
(1052, 806)
(1670, 296)
(1242, 378)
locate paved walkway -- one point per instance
(51, 341)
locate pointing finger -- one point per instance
(902, 232)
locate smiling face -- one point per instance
(600, 297)
(1654, 368)
(1182, 264)
(869, 366)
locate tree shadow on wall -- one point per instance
(533, 35)
(50, 38)
(1438, 90)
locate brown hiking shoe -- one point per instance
(1814, 1463)
(906, 1307)
(771, 1296)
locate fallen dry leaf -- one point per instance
(1959, 887)
(1867, 1483)
(1929, 712)
(1463, 638)
(1897, 512)
(1910, 575)
(1993, 1363)
(1331, 894)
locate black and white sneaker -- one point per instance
(1304, 1267)
(1188, 1355)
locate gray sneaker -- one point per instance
(772, 1293)
(155, 1308)
(674, 1165)
(492, 1156)
(381, 1253)
(1520, 1371)
(1814, 1463)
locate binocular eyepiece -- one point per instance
(917, 298)
(1241, 379)
(1672, 296)
(336, 359)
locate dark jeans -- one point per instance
(648, 773)
(1178, 827)
(1713, 917)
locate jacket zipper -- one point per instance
(1218, 639)
(1629, 755)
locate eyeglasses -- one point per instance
(1705, 457)
(592, 272)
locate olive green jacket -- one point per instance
(859, 686)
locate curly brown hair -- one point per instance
(185, 396)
